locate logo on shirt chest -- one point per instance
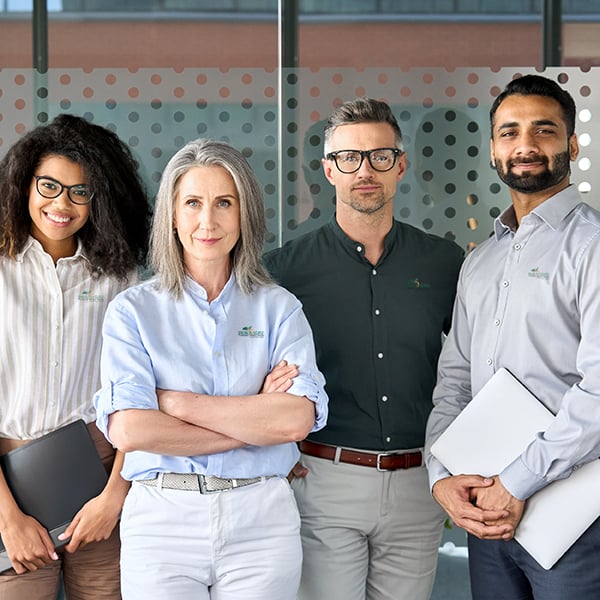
(87, 296)
(535, 273)
(417, 284)
(249, 331)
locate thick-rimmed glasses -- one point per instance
(52, 188)
(350, 161)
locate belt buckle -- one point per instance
(203, 488)
(384, 455)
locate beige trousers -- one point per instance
(366, 534)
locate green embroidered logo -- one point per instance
(249, 331)
(537, 274)
(417, 284)
(87, 296)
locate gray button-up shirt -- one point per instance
(528, 300)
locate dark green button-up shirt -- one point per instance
(377, 328)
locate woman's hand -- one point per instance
(280, 378)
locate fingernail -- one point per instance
(54, 556)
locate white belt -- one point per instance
(205, 484)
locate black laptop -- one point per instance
(52, 477)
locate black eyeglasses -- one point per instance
(52, 188)
(350, 161)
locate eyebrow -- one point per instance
(536, 123)
(201, 197)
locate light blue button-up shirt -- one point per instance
(529, 300)
(227, 347)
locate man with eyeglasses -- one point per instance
(378, 294)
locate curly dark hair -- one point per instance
(115, 236)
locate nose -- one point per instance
(527, 143)
(365, 169)
(63, 198)
(206, 218)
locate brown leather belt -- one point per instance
(384, 461)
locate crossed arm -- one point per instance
(189, 423)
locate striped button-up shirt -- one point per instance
(50, 339)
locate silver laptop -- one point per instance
(52, 477)
(486, 437)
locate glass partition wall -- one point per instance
(449, 188)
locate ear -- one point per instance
(573, 147)
(328, 166)
(492, 153)
(401, 165)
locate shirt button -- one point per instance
(489, 361)
(388, 439)
(497, 322)
(517, 246)
(374, 271)
(377, 312)
(380, 355)
(384, 398)
(505, 284)
(359, 248)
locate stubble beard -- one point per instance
(367, 205)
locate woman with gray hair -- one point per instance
(209, 436)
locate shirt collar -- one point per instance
(195, 288)
(34, 246)
(357, 248)
(552, 211)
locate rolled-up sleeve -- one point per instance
(128, 380)
(294, 343)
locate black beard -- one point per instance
(528, 183)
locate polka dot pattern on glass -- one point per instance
(449, 188)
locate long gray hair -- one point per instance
(166, 251)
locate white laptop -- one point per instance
(492, 430)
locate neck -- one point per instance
(212, 278)
(369, 230)
(523, 203)
(62, 249)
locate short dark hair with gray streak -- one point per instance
(361, 110)
(166, 251)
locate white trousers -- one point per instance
(366, 534)
(242, 544)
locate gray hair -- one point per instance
(166, 251)
(361, 110)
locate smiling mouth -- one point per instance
(58, 219)
(528, 165)
(533, 161)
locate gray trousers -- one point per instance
(366, 534)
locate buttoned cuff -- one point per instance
(435, 470)
(520, 481)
